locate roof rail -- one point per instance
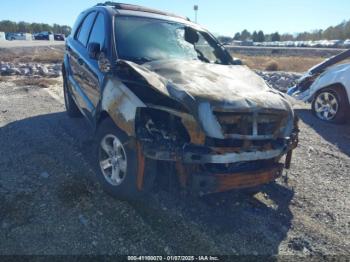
(130, 7)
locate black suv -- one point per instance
(157, 87)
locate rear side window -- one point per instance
(98, 32)
(85, 28)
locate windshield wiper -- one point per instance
(201, 56)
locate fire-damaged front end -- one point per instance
(221, 126)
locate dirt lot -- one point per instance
(51, 204)
(38, 54)
(283, 63)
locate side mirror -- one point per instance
(191, 35)
(94, 50)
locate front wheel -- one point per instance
(331, 105)
(122, 170)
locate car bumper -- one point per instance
(209, 155)
(208, 183)
(229, 158)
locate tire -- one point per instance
(71, 107)
(331, 105)
(124, 185)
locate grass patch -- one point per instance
(4, 79)
(281, 63)
(45, 55)
(41, 82)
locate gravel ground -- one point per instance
(280, 80)
(50, 202)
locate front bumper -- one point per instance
(229, 158)
(213, 183)
(207, 155)
(211, 172)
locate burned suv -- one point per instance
(157, 87)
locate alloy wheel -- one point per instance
(326, 106)
(113, 160)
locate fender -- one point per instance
(121, 105)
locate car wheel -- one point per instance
(331, 105)
(71, 107)
(119, 161)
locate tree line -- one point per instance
(339, 32)
(257, 36)
(24, 27)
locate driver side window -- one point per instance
(83, 33)
(98, 33)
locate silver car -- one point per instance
(327, 87)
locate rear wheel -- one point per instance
(331, 105)
(71, 107)
(119, 163)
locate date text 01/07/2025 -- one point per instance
(173, 258)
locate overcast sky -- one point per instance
(221, 16)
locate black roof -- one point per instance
(122, 6)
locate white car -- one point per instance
(20, 36)
(327, 87)
(2, 36)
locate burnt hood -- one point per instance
(231, 86)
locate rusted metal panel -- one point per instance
(140, 167)
(196, 134)
(247, 179)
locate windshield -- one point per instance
(142, 40)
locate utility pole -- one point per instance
(195, 8)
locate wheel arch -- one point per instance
(333, 86)
(102, 116)
(343, 100)
(66, 66)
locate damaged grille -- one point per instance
(253, 125)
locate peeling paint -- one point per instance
(121, 104)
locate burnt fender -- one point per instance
(121, 105)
